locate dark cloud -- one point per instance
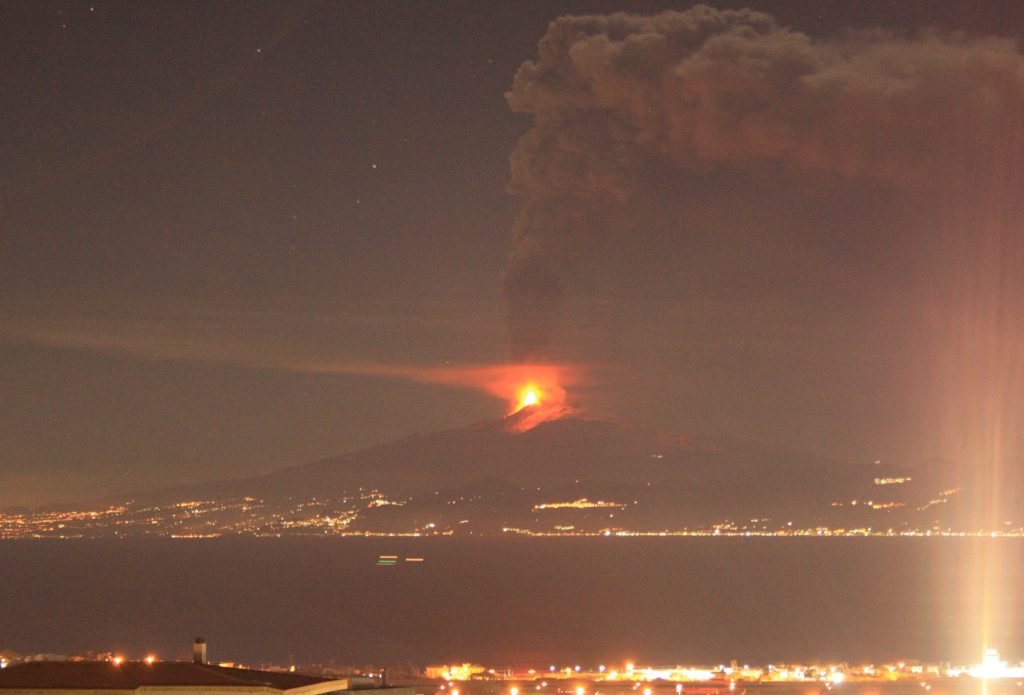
(623, 104)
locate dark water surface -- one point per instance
(506, 601)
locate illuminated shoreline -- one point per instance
(346, 517)
(448, 679)
(832, 674)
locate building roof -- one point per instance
(129, 675)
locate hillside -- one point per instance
(580, 474)
(568, 475)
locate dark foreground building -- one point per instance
(166, 678)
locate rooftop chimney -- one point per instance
(199, 651)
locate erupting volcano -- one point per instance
(534, 392)
(538, 390)
(538, 395)
(533, 386)
(529, 397)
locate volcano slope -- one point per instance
(581, 474)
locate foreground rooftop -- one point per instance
(141, 675)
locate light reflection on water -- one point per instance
(507, 601)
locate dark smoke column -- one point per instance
(622, 104)
(550, 234)
(566, 213)
(533, 290)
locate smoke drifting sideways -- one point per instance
(622, 104)
(539, 388)
(546, 384)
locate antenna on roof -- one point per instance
(199, 651)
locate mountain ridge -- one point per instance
(569, 474)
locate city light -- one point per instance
(993, 668)
(642, 679)
(342, 516)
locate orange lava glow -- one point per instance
(528, 396)
(537, 386)
(528, 385)
(540, 388)
(534, 392)
(539, 395)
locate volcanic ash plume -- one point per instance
(622, 104)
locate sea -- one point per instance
(517, 602)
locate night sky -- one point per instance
(201, 200)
